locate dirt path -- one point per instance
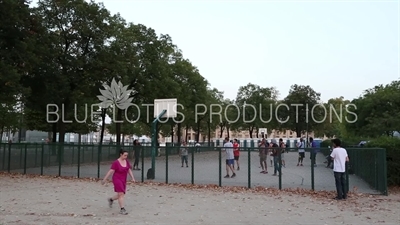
(45, 200)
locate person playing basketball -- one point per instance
(236, 153)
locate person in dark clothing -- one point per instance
(137, 149)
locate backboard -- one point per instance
(168, 104)
(262, 132)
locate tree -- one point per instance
(303, 112)
(256, 104)
(334, 119)
(70, 70)
(377, 112)
(18, 42)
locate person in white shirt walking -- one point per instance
(339, 157)
(300, 146)
(230, 159)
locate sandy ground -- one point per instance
(51, 200)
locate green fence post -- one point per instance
(73, 153)
(98, 159)
(347, 178)
(20, 154)
(42, 159)
(312, 169)
(193, 148)
(142, 155)
(9, 158)
(220, 165)
(79, 160)
(248, 167)
(93, 153)
(384, 175)
(166, 163)
(4, 156)
(25, 157)
(59, 159)
(280, 168)
(36, 149)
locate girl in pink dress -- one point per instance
(120, 169)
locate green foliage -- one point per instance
(61, 52)
(378, 111)
(392, 146)
(301, 101)
(256, 104)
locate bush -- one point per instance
(392, 146)
(326, 143)
(346, 142)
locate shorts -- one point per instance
(236, 158)
(229, 161)
(302, 155)
(263, 158)
(282, 156)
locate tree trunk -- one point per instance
(209, 132)
(298, 132)
(79, 138)
(172, 133)
(54, 133)
(251, 132)
(103, 124)
(186, 135)
(179, 131)
(257, 131)
(118, 126)
(227, 130)
(198, 132)
(1, 134)
(61, 132)
(221, 131)
(123, 139)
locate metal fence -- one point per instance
(369, 164)
(206, 165)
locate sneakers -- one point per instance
(123, 211)
(233, 175)
(110, 202)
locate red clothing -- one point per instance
(236, 151)
(120, 175)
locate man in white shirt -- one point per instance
(230, 159)
(301, 145)
(339, 157)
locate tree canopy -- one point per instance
(59, 54)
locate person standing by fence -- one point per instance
(300, 146)
(339, 157)
(313, 151)
(282, 146)
(137, 149)
(120, 169)
(230, 159)
(262, 148)
(276, 151)
(184, 154)
(236, 153)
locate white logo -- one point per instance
(117, 95)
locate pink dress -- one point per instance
(120, 175)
